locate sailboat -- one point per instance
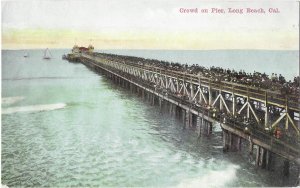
(26, 54)
(47, 54)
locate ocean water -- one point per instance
(65, 125)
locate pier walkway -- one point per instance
(267, 120)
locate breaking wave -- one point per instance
(213, 178)
(11, 100)
(34, 108)
(40, 78)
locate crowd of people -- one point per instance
(256, 79)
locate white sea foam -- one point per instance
(218, 147)
(35, 108)
(213, 178)
(11, 100)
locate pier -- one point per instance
(267, 120)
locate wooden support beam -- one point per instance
(286, 168)
(254, 114)
(195, 95)
(257, 156)
(266, 115)
(233, 103)
(185, 90)
(153, 99)
(199, 89)
(160, 102)
(172, 85)
(251, 147)
(199, 125)
(262, 158)
(209, 94)
(222, 100)
(293, 124)
(245, 104)
(203, 96)
(213, 104)
(181, 89)
(221, 104)
(248, 110)
(177, 85)
(278, 120)
(166, 79)
(269, 161)
(192, 92)
(225, 141)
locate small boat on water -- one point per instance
(47, 54)
(26, 54)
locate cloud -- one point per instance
(64, 38)
(148, 24)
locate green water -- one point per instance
(104, 135)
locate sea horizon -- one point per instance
(152, 49)
(264, 61)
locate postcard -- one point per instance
(159, 93)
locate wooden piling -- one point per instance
(286, 168)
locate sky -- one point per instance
(148, 24)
